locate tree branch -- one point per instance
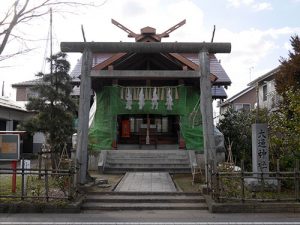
(25, 12)
(2, 58)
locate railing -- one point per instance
(230, 185)
(43, 184)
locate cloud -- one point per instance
(252, 4)
(262, 6)
(133, 8)
(256, 48)
(287, 46)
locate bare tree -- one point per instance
(23, 11)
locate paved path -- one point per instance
(146, 182)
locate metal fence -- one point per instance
(42, 183)
(229, 185)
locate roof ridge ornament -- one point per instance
(148, 34)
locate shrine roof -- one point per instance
(215, 66)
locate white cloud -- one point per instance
(252, 4)
(287, 46)
(262, 6)
(252, 48)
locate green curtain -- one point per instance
(111, 102)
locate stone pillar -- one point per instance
(83, 116)
(207, 111)
(260, 148)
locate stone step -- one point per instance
(143, 193)
(147, 151)
(143, 206)
(131, 155)
(152, 157)
(119, 170)
(141, 163)
(161, 152)
(174, 161)
(145, 198)
(147, 156)
(148, 166)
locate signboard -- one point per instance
(9, 147)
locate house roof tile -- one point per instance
(239, 94)
(28, 83)
(215, 68)
(7, 103)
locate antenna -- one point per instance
(83, 34)
(167, 32)
(2, 94)
(130, 32)
(213, 34)
(250, 71)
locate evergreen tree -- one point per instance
(285, 123)
(284, 129)
(236, 128)
(288, 76)
(54, 106)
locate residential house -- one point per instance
(11, 114)
(242, 101)
(267, 96)
(261, 92)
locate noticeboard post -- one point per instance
(10, 151)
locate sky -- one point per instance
(259, 31)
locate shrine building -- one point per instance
(145, 106)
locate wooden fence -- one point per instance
(229, 185)
(43, 184)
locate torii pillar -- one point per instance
(202, 48)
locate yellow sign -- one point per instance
(9, 148)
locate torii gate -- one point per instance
(202, 48)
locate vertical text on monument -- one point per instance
(260, 148)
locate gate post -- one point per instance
(207, 112)
(83, 116)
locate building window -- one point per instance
(242, 107)
(31, 94)
(265, 92)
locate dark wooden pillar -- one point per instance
(83, 116)
(207, 110)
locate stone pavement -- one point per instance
(146, 182)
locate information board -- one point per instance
(9, 147)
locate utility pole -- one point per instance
(51, 43)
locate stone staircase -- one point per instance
(96, 201)
(121, 161)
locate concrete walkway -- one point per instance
(146, 182)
